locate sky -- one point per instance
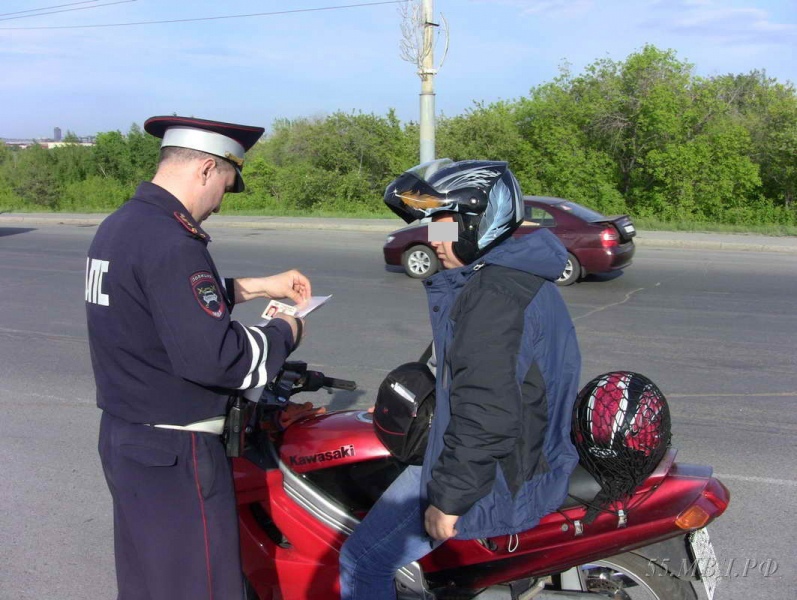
(256, 69)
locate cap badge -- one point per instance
(232, 158)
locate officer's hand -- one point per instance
(439, 525)
(277, 421)
(290, 284)
(295, 330)
(294, 412)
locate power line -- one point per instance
(19, 12)
(52, 12)
(263, 14)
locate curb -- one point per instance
(262, 223)
(710, 245)
(36, 220)
(274, 223)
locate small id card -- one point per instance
(275, 306)
(301, 310)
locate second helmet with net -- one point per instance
(483, 197)
(621, 429)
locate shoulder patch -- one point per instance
(183, 220)
(207, 293)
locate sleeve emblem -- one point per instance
(207, 293)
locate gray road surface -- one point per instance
(716, 330)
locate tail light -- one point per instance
(609, 237)
(717, 494)
(696, 516)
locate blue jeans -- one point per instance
(390, 536)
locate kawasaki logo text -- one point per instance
(342, 452)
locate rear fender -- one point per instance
(672, 555)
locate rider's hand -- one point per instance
(295, 412)
(439, 525)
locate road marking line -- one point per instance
(769, 480)
(721, 395)
(56, 337)
(623, 301)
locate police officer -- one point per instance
(166, 357)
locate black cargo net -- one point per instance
(621, 429)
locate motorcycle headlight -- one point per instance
(390, 238)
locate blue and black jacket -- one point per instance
(499, 452)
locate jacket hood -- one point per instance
(539, 253)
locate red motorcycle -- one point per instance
(302, 492)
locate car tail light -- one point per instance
(609, 237)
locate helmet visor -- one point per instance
(412, 198)
(426, 170)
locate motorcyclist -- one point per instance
(499, 453)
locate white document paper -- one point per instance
(314, 302)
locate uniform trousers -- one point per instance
(175, 521)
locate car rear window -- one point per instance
(582, 212)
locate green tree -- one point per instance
(768, 112)
(560, 161)
(33, 178)
(629, 109)
(343, 160)
(143, 150)
(72, 162)
(483, 132)
(6, 155)
(112, 157)
(709, 177)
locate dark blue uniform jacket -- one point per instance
(163, 346)
(499, 452)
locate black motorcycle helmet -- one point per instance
(483, 197)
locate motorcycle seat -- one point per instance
(582, 488)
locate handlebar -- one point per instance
(295, 378)
(312, 381)
(340, 384)
(244, 417)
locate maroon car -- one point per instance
(595, 243)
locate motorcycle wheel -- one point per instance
(632, 577)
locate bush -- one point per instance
(9, 201)
(95, 194)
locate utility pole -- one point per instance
(418, 38)
(427, 72)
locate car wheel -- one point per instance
(572, 272)
(419, 262)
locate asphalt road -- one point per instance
(716, 330)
